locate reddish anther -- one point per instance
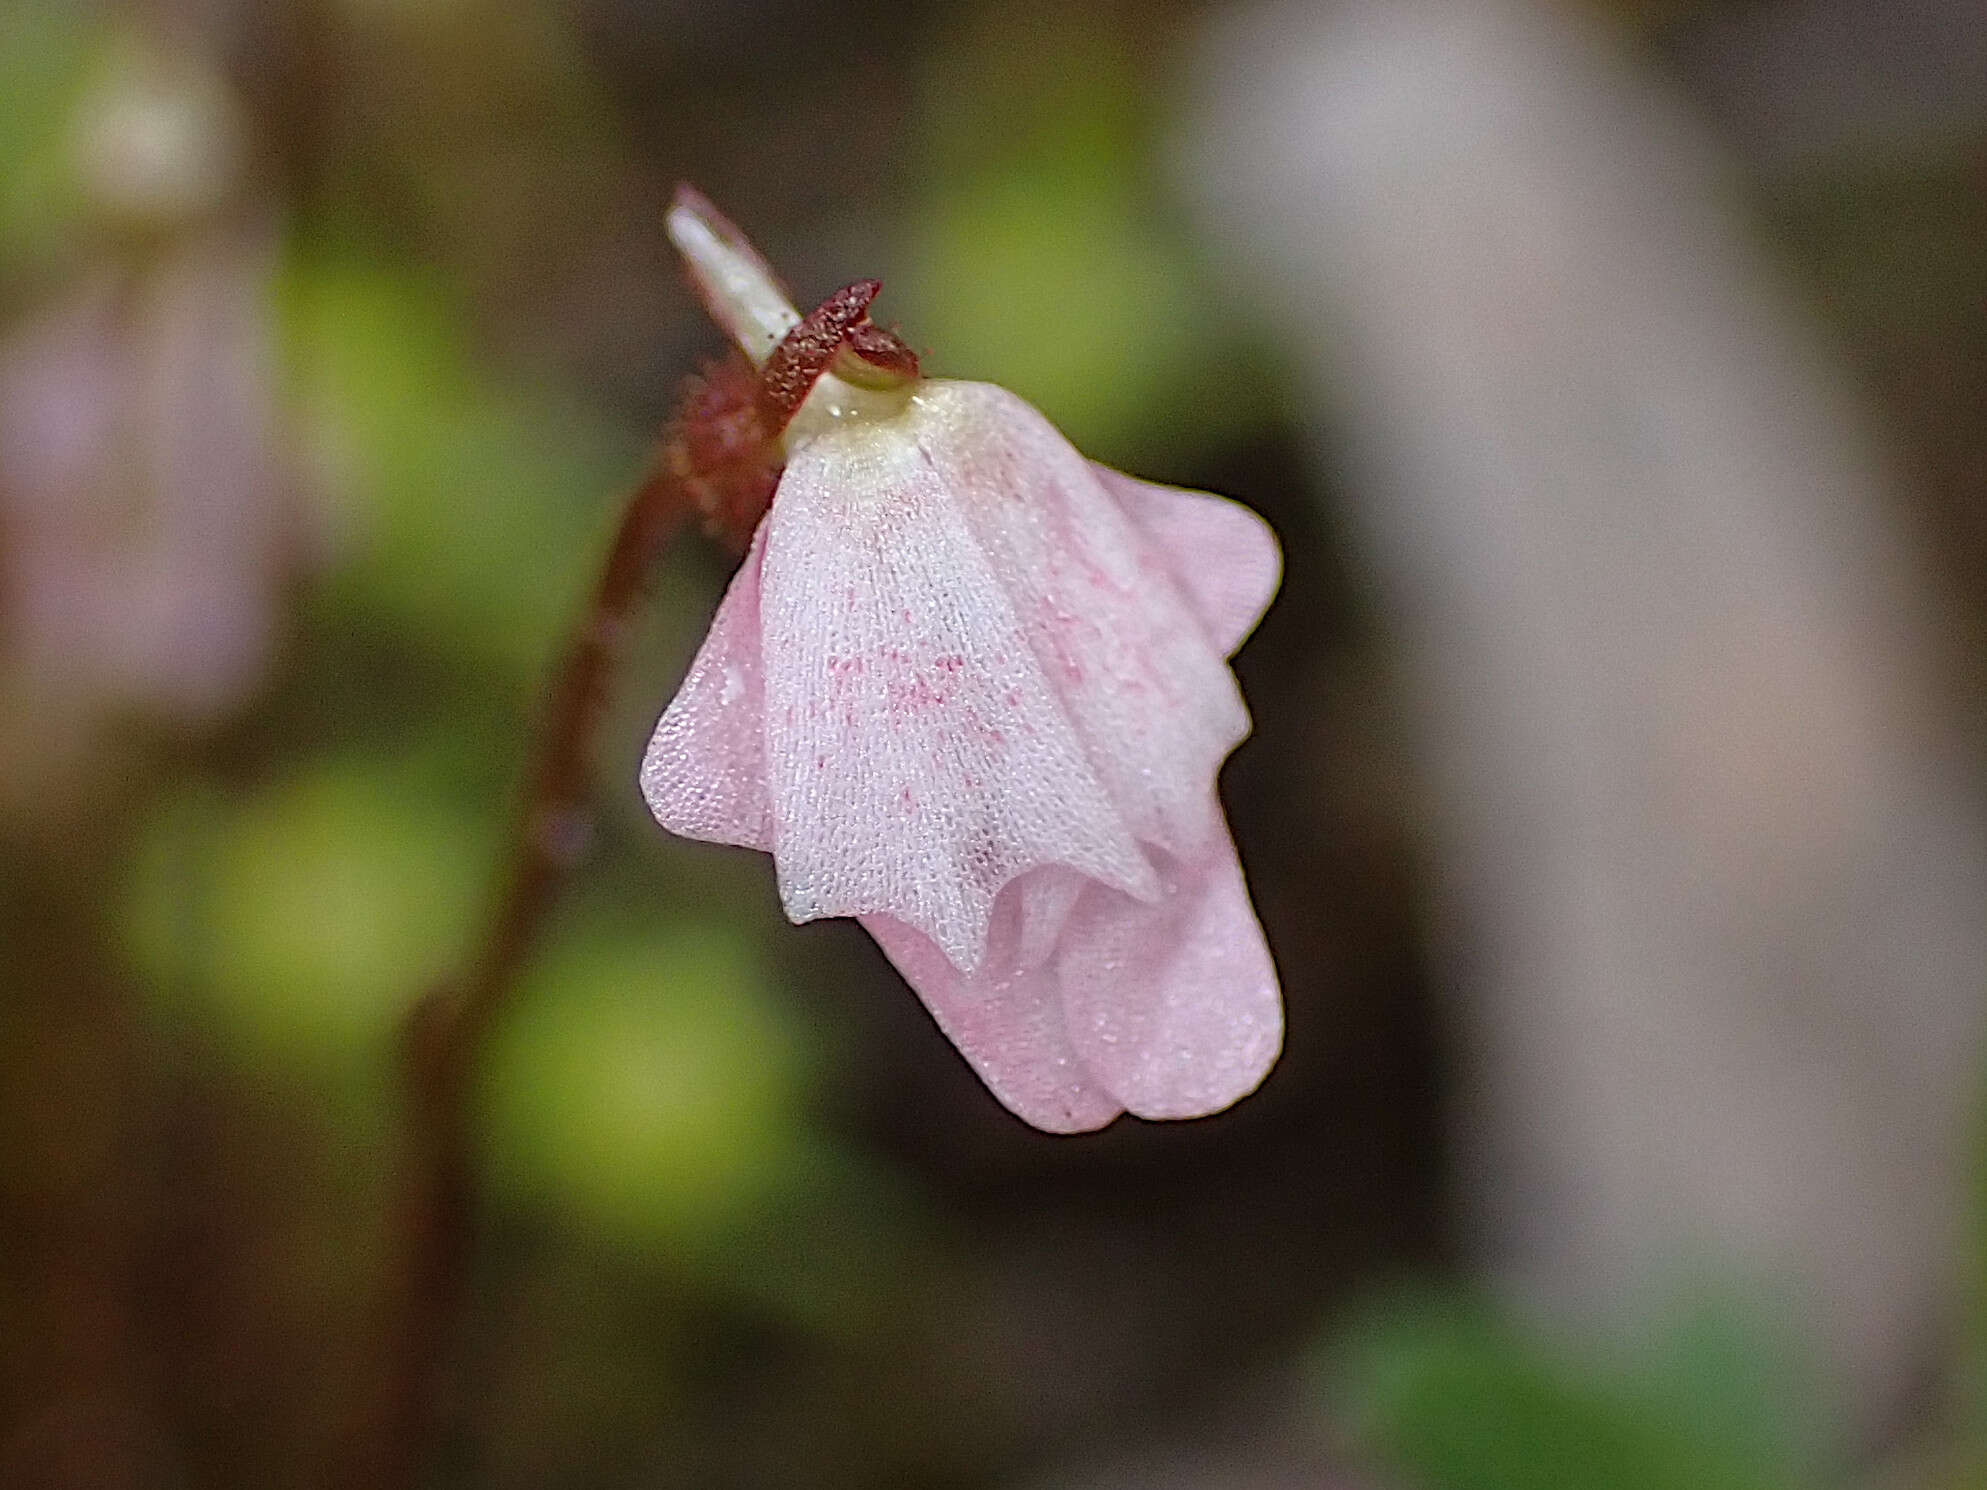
(877, 350)
(798, 362)
(836, 335)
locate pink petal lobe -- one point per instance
(918, 753)
(1006, 1019)
(1132, 664)
(1173, 1006)
(704, 773)
(1222, 555)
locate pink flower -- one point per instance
(972, 690)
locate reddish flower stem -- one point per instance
(432, 1232)
(719, 464)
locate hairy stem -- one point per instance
(432, 1231)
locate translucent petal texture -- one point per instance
(973, 690)
(1224, 558)
(1166, 1008)
(1153, 702)
(1007, 1023)
(1173, 1006)
(918, 752)
(704, 773)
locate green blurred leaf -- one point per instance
(1439, 1386)
(1054, 288)
(298, 924)
(45, 56)
(481, 507)
(646, 1084)
(1039, 262)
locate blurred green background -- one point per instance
(370, 303)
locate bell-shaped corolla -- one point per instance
(973, 690)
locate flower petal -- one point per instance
(1222, 555)
(1168, 1009)
(918, 756)
(1173, 1005)
(1131, 662)
(704, 773)
(1008, 1025)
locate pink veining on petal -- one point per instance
(920, 752)
(704, 773)
(972, 689)
(1151, 699)
(1223, 556)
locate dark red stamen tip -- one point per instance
(882, 350)
(804, 354)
